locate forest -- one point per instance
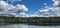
(30, 20)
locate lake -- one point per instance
(26, 26)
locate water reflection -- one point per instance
(27, 26)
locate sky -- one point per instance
(28, 8)
(34, 5)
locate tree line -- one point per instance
(30, 20)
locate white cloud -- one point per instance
(19, 10)
(50, 11)
(46, 12)
(11, 10)
(56, 2)
(32, 15)
(56, 5)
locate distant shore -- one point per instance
(30, 21)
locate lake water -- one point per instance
(26, 26)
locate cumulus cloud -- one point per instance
(11, 10)
(27, 15)
(56, 2)
(32, 15)
(16, 11)
(50, 11)
(46, 12)
(19, 10)
(56, 5)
